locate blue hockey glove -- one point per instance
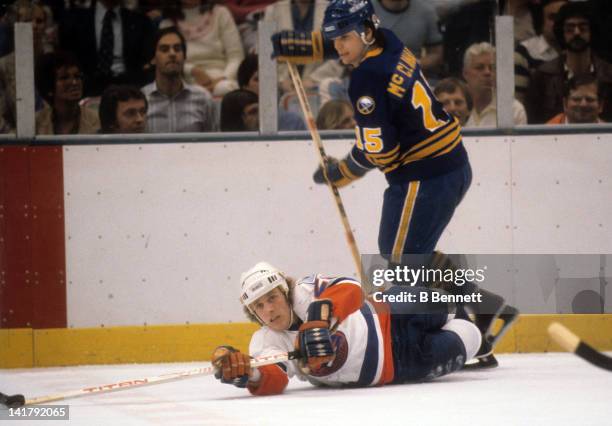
(298, 47)
(314, 337)
(231, 366)
(340, 173)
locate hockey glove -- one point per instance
(340, 173)
(314, 337)
(231, 366)
(298, 47)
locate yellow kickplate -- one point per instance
(118, 345)
(183, 343)
(16, 350)
(529, 333)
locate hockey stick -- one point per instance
(18, 400)
(572, 343)
(324, 160)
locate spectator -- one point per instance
(213, 41)
(479, 73)
(60, 81)
(123, 109)
(602, 16)
(336, 115)
(240, 111)
(455, 97)
(174, 105)
(153, 9)
(248, 73)
(522, 11)
(111, 42)
(307, 16)
(581, 102)
(470, 24)
(575, 34)
(415, 22)
(20, 11)
(248, 79)
(242, 8)
(534, 51)
(447, 7)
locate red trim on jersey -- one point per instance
(346, 298)
(384, 319)
(273, 381)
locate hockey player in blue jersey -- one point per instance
(402, 129)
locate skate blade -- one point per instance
(482, 363)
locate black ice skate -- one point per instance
(485, 321)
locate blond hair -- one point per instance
(477, 49)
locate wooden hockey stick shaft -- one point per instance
(572, 343)
(19, 400)
(314, 133)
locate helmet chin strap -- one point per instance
(290, 316)
(366, 45)
(365, 40)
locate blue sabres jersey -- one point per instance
(401, 127)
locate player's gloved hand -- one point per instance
(314, 337)
(340, 173)
(298, 47)
(231, 366)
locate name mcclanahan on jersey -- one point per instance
(403, 73)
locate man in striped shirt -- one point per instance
(174, 105)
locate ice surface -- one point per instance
(527, 389)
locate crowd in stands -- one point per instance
(165, 66)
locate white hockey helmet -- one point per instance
(259, 280)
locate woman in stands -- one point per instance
(59, 80)
(214, 47)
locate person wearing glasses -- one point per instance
(60, 81)
(576, 34)
(581, 102)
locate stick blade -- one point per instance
(572, 343)
(13, 401)
(563, 336)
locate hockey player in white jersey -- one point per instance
(343, 339)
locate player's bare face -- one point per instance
(274, 310)
(350, 48)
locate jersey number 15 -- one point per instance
(372, 141)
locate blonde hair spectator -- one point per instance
(336, 115)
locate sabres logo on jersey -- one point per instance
(365, 105)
